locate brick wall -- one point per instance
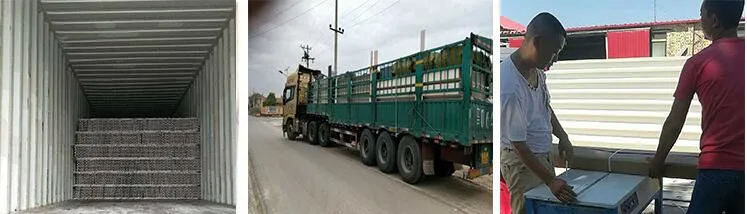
(686, 35)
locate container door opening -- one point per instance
(116, 100)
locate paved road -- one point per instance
(295, 177)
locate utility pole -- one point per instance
(654, 10)
(337, 30)
(422, 40)
(306, 57)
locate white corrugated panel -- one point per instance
(620, 103)
(216, 83)
(40, 103)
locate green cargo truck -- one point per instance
(418, 115)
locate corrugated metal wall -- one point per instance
(515, 42)
(628, 44)
(620, 103)
(212, 99)
(40, 103)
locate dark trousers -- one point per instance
(718, 191)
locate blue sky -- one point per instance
(576, 13)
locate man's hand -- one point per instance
(565, 148)
(655, 168)
(562, 191)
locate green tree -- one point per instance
(271, 100)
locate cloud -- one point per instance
(391, 26)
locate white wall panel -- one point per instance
(620, 103)
(40, 103)
(211, 98)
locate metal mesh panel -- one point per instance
(135, 150)
(146, 177)
(108, 138)
(136, 164)
(141, 158)
(138, 137)
(120, 124)
(170, 124)
(131, 124)
(137, 192)
(171, 137)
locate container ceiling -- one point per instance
(138, 55)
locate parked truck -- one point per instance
(419, 115)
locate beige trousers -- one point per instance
(519, 178)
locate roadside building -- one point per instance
(646, 39)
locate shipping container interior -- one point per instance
(64, 60)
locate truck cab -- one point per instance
(294, 100)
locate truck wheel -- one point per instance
(443, 168)
(324, 135)
(313, 135)
(409, 160)
(289, 133)
(304, 130)
(386, 153)
(367, 148)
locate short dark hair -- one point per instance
(545, 24)
(728, 12)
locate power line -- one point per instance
(379, 13)
(319, 33)
(319, 36)
(364, 12)
(289, 20)
(356, 8)
(281, 12)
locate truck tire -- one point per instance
(304, 130)
(324, 135)
(367, 148)
(289, 133)
(386, 153)
(443, 168)
(313, 133)
(409, 160)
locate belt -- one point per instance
(536, 153)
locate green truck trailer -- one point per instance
(418, 115)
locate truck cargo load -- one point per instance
(116, 100)
(419, 114)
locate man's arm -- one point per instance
(514, 127)
(527, 156)
(671, 129)
(683, 95)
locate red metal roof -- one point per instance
(633, 25)
(511, 25)
(512, 32)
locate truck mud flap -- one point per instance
(427, 152)
(482, 161)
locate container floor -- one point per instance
(171, 207)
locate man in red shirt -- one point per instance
(716, 75)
